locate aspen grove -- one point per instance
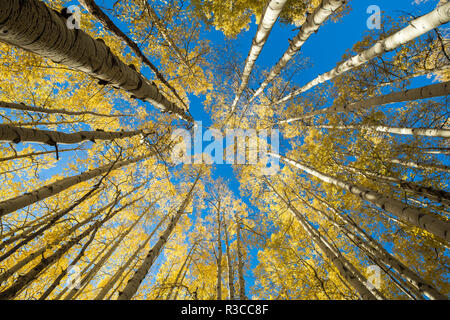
(96, 202)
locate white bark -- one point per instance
(110, 284)
(21, 106)
(268, 19)
(18, 134)
(32, 26)
(430, 91)
(95, 10)
(426, 132)
(415, 28)
(406, 213)
(134, 283)
(312, 24)
(344, 267)
(422, 166)
(19, 202)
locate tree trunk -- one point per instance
(17, 134)
(242, 295)
(426, 132)
(345, 268)
(412, 215)
(110, 284)
(430, 91)
(268, 19)
(415, 28)
(133, 284)
(229, 260)
(95, 10)
(19, 202)
(23, 107)
(32, 26)
(310, 26)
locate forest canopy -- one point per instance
(232, 149)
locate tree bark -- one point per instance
(19, 202)
(134, 283)
(32, 26)
(310, 26)
(430, 91)
(415, 28)
(412, 215)
(268, 19)
(24, 107)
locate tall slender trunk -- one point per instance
(412, 215)
(344, 267)
(63, 273)
(219, 256)
(24, 107)
(422, 166)
(426, 132)
(134, 283)
(415, 28)
(88, 277)
(242, 295)
(377, 252)
(180, 272)
(46, 262)
(110, 284)
(269, 17)
(310, 26)
(430, 91)
(19, 134)
(431, 193)
(19, 202)
(229, 260)
(95, 10)
(34, 27)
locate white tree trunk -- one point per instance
(268, 19)
(430, 91)
(344, 267)
(110, 284)
(312, 24)
(422, 166)
(18, 134)
(95, 10)
(21, 106)
(409, 214)
(32, 26)
(426, 132)
(19, 202)
(134, 283)
(415, 28)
